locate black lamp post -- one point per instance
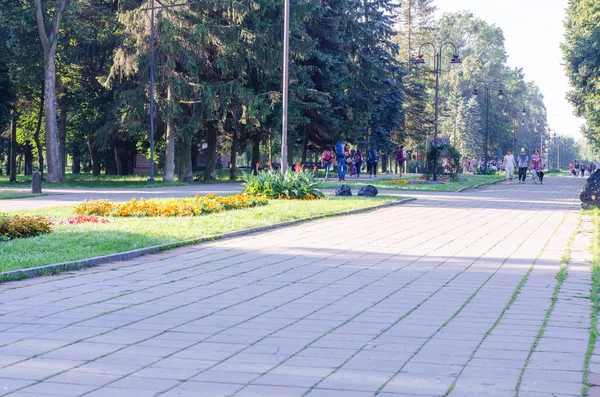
(153, 9)
(419, 62)
(487, 86)
(514, 115)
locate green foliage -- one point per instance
(580, 52)
(294, 185)
(485, 171)
(13, 227)
(446, 158)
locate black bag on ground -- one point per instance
(368, 191)
(343, 190)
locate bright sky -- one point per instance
(533, 30)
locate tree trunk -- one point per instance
(211, 153)
(255, 151)
(185, 169)
(384, 163)
(38, 129)
(290, 150)
(118, 161)
(28, 158)
(51, 128)
(234, 144)
(94, 156)
(304, 146)
(170, 145)
(13, 147)
(62, 133)
(76, 166)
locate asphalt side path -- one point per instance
(450, 295)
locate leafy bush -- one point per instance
(485, 171)
(294, 185)
(12, 227)
(188, 206)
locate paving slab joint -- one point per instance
(128, 255)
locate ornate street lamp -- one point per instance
(419, 62)
(487, 87)
(515, 115)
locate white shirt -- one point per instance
(509, 161)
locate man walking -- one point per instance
(341, 160)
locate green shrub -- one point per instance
(485, 171)
(12, 227)
(294, 185)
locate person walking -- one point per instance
(400, 157)
(571, 167)
(522, 164)
(509, 166)
(537, 165)
(372, 161)
(341, 160)
(358, 160)
(327, 158)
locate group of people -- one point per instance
(348, 159)
(582, 169)
(352, 160)
(523, 164)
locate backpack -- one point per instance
(400, 156)
(339, 149)
(373, 155)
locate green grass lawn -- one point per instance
(86, 180)
(7, 194)
(385, 183)
(73, 242)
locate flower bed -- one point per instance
(188, 206)
(81, 219)
(12, 227)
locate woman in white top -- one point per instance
(509, 166)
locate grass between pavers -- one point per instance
(7, 195)
(75, 242)
(594, 297)
(385, 183)
(560, 278)
(86, 180)
(508, 305)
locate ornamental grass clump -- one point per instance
(188, 206)
(299, 185)
(13, 227)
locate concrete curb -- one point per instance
(123, 256)
(478, 186)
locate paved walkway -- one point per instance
(72, 196)
(450, 295)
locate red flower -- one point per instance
(257, 166)
(297, 167)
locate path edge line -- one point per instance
(80, 264)
(480, 185)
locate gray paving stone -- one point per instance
(279, 307)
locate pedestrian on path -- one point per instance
(358, 160)
(509, 166)
(523, 164)
(537, 165)
(340, 155)
(327, 158)
(400, 157)
(372, 162)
